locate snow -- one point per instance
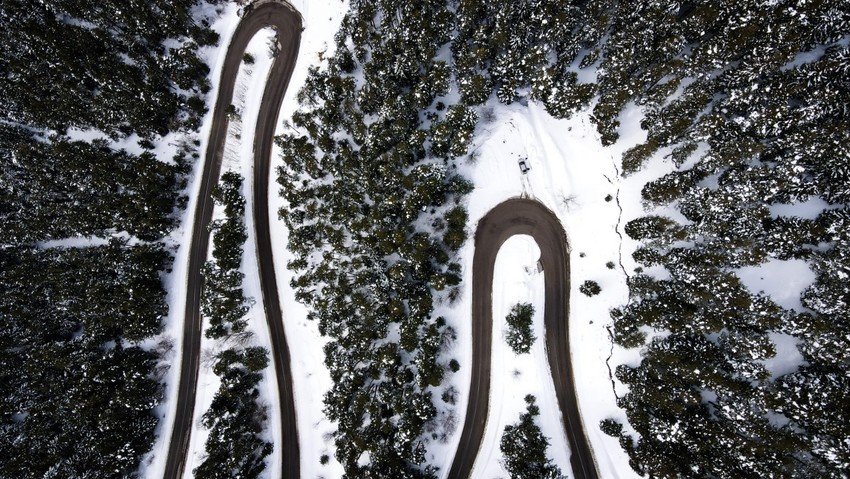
(782, 281)
(814, 54)
(788, 358)
(807, 210)
(73, 242)
(179, 240)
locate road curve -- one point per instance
(287, 22)
(522, 216)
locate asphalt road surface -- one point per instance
(522, 216)
(287, 23)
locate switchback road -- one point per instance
(522, 216)
(287, 23)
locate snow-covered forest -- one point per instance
(744, 101)
(92, 93)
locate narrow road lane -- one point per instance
(522, 216)
(288, 26)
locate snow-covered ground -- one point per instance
(518, 280)
(571, 173)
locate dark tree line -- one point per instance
(727, 81)
(235, 418)
(223, 301)
(375, 220)
(54, 188)
(78, 387)
(88, 64)
(75, 393)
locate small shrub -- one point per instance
(611, 427)
(609, 265)
(248, 59)
(454, 365)
(231, 112)
(519, 337)
(449, 396)
(590, 288)
(324, 459)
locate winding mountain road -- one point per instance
(287, 23)
(515, 216)
(512, 217)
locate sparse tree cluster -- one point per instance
(590, 288)
(523, 447)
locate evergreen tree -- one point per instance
(524, 447)
(520, 319)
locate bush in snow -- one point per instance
(519, 336)
(590, 288)
(524, 447)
